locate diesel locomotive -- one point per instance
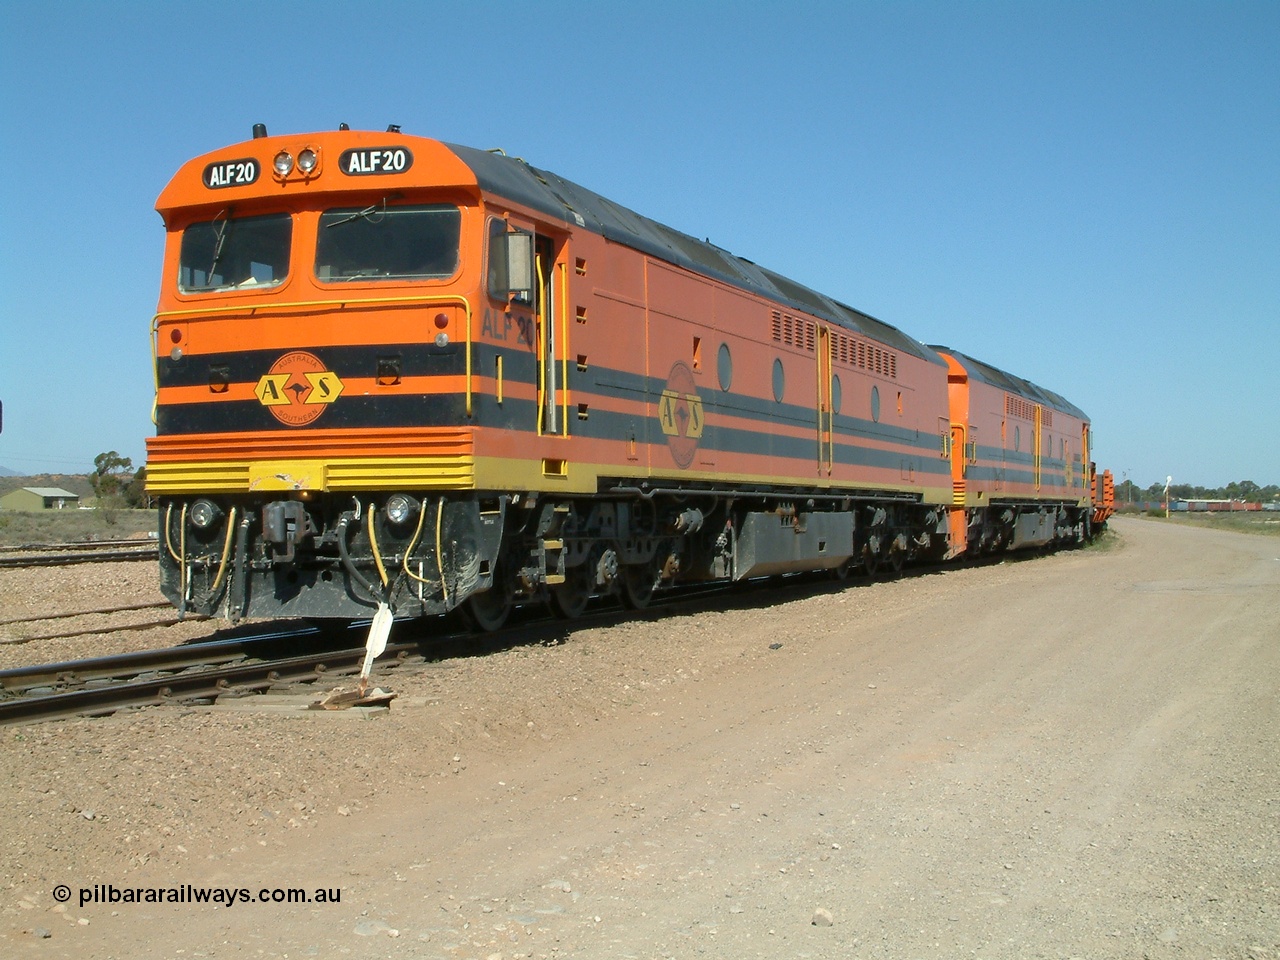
(396, 372)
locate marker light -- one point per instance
(307, 160)
(401, 508)
(442, 339)
(204, 514)
(442, 321)
(283, 163)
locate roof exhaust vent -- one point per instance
(259, 131)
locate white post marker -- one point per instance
(379, 631)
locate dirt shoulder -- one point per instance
(1071, 756)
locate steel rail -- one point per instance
(79, 672)
(100, 612)
(264, 646)
(95, 701)
(78, 545)
(96, 631)
(151, 552)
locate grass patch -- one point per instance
(72, 526)
(1263, 523)
(1104, 541)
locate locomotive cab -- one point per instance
(312, 352)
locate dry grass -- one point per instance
(69, 526)
(1266, 522)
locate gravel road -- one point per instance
(1072, 756)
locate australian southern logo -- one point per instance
(297, 388)
(680, 413)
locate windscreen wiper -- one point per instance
(219, 242)
(365, 214)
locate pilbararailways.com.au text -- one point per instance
(108, 893)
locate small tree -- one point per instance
(110, 472)
(135, 491)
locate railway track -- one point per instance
(66, 554)
(92, 622)
(104, 685)
(201, 671)
(253, 664)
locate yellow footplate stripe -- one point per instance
(362, 473)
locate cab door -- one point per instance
(530, 267)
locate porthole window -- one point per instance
(875, 404)
(837, 394)
(724, 367)
(779, 380)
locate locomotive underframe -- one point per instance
(339, 556)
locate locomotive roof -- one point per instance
(979, 370)
(551, 194)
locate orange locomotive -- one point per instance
(395, 371)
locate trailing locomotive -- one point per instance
(393, 371)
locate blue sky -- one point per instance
(1086, 194)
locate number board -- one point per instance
(364, 161)
(231, 173)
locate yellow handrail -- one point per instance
(825, 401)
(538, 336)
(564, 343)
(1036, 460)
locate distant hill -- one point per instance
(6, 472)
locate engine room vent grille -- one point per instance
(1026, 410)
(793, 331)
(800, 333)
(865, 356)
(1017, 407)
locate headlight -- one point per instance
(307, 160)
(442, 339)
(283, 163)
(401, 508)
(204, 514)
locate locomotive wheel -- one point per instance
(637, 586)
(569, 599)
(896, 558)
(870, 563)
(488, 611)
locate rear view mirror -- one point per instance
(515, 253)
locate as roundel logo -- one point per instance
(680, 413)
(297, 388)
